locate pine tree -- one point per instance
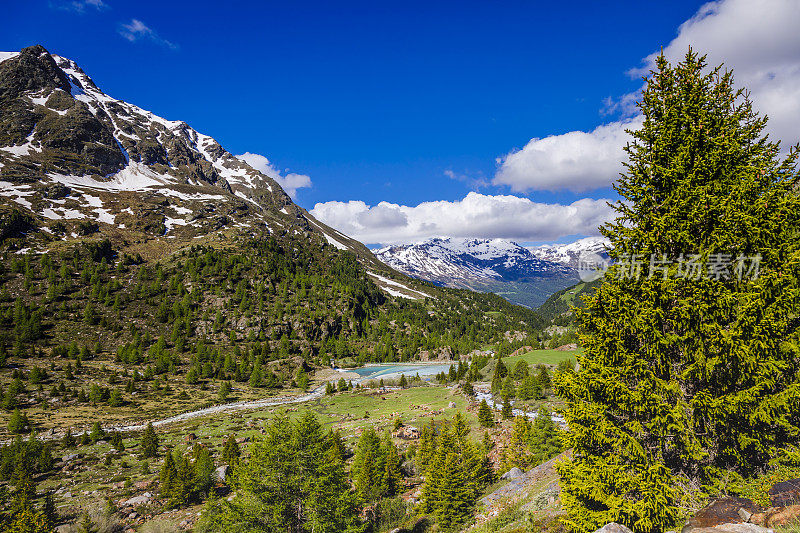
(224, 390)
(507, 412)
(97, 433)
(500, 372)
(168, 475)
(86, 525)
(68, 441)
(544, 438)
(49, 511)
(16, 424)
(392, 476)
(231, 452)
(517, 454)
(485, 415)
(367, 469)
(455, 474)
(509, 390)
(293, 481)
(521, 370)
(149, 442)
(687, 375)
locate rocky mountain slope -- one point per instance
(75, 162)
(495, 265)
(568, 254)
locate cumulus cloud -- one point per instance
(136, 30)
(290, 182)
(577, 161)
(758, 39)
(476, 215)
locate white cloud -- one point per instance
(473, 182)
(137, 30)
(79, 6)
(477, 215)
(758, 39)
(577, 161)
(290, 183)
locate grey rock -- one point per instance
(221, 473)
(733, 528)
(139, 500)
(514, 473)
(613, 527)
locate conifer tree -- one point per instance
(682, 374)
(485, 415)
(544, 438)
(86, 525)
(500, 372)
(18, 423)
(97, 432)
(149, 442)
(167, 475)
(231, 452)
(507, 412)
(68, 441)
(454, 475)
(293, 481)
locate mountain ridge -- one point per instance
(76, 162)
(487, 265)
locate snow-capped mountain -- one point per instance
(568, 254)
(76, 163)
(495, 265)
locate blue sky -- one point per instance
(376, 102)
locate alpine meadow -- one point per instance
(482, 283)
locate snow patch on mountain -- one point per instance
(452, 260)
(7, 55)
(569, 254)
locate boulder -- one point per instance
(451, 405)
(785, 493)
(139, 500)
(720, 511)
(221, 473)
(733, 528)
(778, 516)
(70, 457)
(514, 473)
(613, 527)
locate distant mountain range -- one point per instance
(568, 254)
(523, 275)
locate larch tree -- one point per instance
(690, 365)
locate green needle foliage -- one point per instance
(687, 380)
(149, 441)
(455, 471)
(294, 481)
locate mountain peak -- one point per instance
(491, 265)
(76, 161)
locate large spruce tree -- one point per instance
(293, 481)
(686, 379)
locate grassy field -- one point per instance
(535, 357)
